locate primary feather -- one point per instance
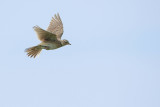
(56, 26)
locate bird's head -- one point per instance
(65, 42)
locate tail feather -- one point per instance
(33, 51)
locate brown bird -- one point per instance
(51, 38)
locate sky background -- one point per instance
(114, 59)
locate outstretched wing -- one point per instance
(56, 26)
(44, 35)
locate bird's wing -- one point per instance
(56, 26)
(44, 35)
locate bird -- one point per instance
(50, 38)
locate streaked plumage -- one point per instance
(51, 38)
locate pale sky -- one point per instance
(114, 59)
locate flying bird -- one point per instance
(50, 38)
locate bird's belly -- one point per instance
(50, 46)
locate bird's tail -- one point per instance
(34, 51)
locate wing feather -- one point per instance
(44, 35)
(56, 26)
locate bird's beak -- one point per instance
(69, 44)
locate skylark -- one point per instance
(51, 38)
